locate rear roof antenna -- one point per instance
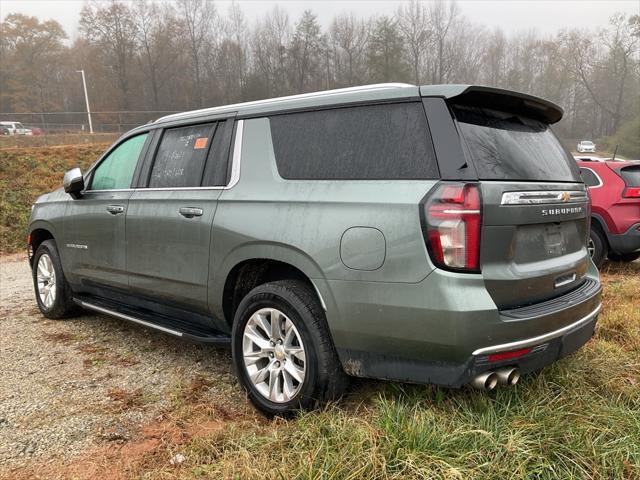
(614, 153)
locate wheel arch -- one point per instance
(38, 232)
(598, 222)
(254, 265)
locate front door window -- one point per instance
(116, 171)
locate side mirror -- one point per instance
(73, 183)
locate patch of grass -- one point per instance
(27, 173)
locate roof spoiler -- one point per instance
(498, 99)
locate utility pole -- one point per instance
(86, 98)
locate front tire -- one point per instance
(282, 350)
(53, 293)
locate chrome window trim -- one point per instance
(237, 155)
(538, 197)
(596, 175)
(84, 192)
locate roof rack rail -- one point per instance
(323, 93)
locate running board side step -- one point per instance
(160, 323)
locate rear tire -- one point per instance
(625, 257)
(598, 246)
(53, 293)
(313, 374)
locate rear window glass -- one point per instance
(631, 175)
(507, 146)
(371, 142)
(181, 157)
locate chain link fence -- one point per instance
(65, 128)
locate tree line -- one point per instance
(186, 54)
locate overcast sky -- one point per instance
(546, 16)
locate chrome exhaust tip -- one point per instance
(485, 381)
(508, 375)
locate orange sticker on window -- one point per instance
(200, 143)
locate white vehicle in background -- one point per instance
(586, 146)
(16, 128)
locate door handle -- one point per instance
(190, 212)
(115, 209)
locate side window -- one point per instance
(374, 142)
(589, 178)
(217, 170)
(181, 156)
(116, 171)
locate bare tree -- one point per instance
(198, 17)
(349, 38)
(306, 51)
(442, 15)
(609, 72)
(386, 52)
(413, 23)
(111, 25)
(270, 41)
(467, 54)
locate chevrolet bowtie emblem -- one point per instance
(565, 197)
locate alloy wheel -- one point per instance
(274, 355)
(46, 278)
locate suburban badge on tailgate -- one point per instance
(560, 211)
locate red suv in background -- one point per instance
(614, 188)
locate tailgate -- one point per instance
(535, 211)
(533, 240)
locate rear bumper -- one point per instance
(443, 329)
(627, 242)
(545, 338)
(543, 352)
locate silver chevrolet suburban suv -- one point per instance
(432, 234)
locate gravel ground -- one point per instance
(67, 386)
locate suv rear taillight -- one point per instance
(631, 192)
(452, 223)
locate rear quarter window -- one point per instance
(373, 142)
(589, 177)
(508, 146)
